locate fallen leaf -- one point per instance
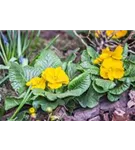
(131, 102)
(97, 118)
(120, 115)
(106, 117)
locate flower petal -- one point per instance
(117, 54)
(54, 85)
(103, 72)
(48, 75)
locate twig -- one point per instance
(130, 51)
(80, 38)
(129, 37)
(111, 35)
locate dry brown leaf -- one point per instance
(131, 102)
(120, 115)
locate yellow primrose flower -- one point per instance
(32, 110)
(112, 69)
(117, 33)
(36, 82)
(106, 53)
(55, 77)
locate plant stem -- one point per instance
(19, 43)
(27, 96)
(3, 52)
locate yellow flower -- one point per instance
(36, 82)
(33, 115)
(112, 69)
(106, 53)
(32, 110)
(97, 33)
(54, 118)
(116, 33)
(55, 77)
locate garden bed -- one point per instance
(65, 45)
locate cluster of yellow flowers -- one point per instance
(111, 63)
(116, 33)
(54, 78)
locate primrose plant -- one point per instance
(48, 83)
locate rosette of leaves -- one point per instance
(100, 86)
(19, 75)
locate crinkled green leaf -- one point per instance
(90, 98)
(92, 53)
(47, 59)
(98, 89)
(132, 58)
(11, 103)
(85, 56)
(125, 51)
(71, 70)
(44, 103)
(38, 92)
(16, 77)
(81, 82)
(105, 85)
(112, 97)
(90, 68)
(119, 89)
(31, 72)
(51, 96)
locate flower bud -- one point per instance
(49, 110)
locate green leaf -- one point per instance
(21, 116)
(85, 56)
(90, 68)
(2, 67)
(81, 82)
(17, 77)
(132, 58)
(98, 89)
(101, 85)
(90, 98)
(112, 97)
(44, 103)
(47, 59)
(38, 92)
(119, 89)
(71, 57)
(11, 103)
(92, 53)
(51, 96)
(31, 72)
(71, 70)
(125, 51)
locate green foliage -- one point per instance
(47, 59)
(17, 77)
